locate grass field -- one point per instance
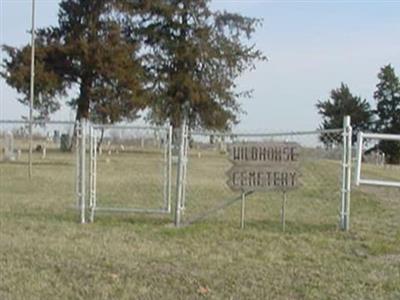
(46, 254)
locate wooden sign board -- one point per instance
(278, 153)
(264, 166)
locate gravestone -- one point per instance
(222, 147)
(44, 152)
(56, 137)
(65, 142)
(19, 154)
(9, 151)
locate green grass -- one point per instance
(46, 254)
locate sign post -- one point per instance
(266, 166)
(283, 221)
(242, 212)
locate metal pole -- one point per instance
(179, 184)
(283, 212)
(165, 171)
(343, 194)
(94, 175)
(90, 166)
(242, 211)
(83, 167)
(185, 162)
(169, 169)
(32, 90)
(78, 165)
(346, 174)
(348, 170)
(382, 136)
(359, 157)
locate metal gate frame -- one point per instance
(88, 131)
(346, 131)
(360, 140)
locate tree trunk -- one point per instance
(101, 139)
(82, 111)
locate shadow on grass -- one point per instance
(165, 222)
(38, 163)
(72, 217)
(271, 226)
(119, 219)
(292, 227)
(41, 215)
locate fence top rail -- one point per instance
(381, 136)
(37, 122)
(288, 133)
(379, 182)
(110, 126)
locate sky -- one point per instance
(312, 47)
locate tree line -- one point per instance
(384, 118)
(119, 60)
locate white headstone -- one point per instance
(44, 152)
(222, 147)
(9, 151)
(19, 154)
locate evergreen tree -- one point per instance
(387, 95)
(343, 103)
(194, 55)
(90, 53)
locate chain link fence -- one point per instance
(53, 162)
(315, 202)
(135, 168)
(130, 169)
(121, 168)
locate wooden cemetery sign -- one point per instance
(264, 166)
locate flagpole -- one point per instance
(32, 90)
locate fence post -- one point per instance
(90, 166)
(180, 173)
(346, 174)
(82, 171)
(184, 170)
(77, 164)
(93, 173)
(168, 170)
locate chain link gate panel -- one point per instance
(130, 169)
(315, 203)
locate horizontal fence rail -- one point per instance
(261, 135)
(37, 122)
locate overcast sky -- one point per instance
(313, 46)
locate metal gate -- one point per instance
(202, 191)
(129, 169)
